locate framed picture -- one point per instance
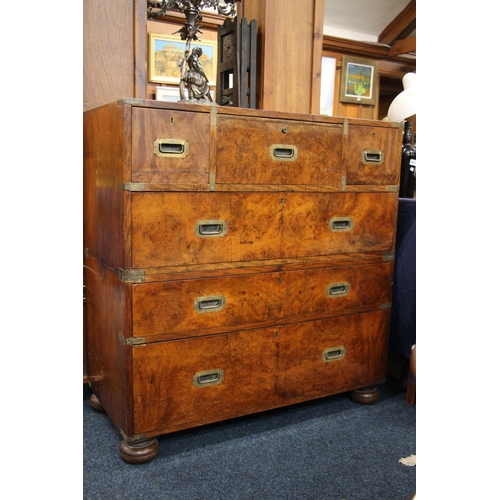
(167, 52)
(359, 80)
(170, 94)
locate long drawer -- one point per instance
(174, 229)
(185, 308)
(182, 383)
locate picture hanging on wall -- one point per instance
(166, 52)
(359, 80)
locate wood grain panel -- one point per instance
(165, 397)
(262, 369)
(363, 139)
(245, 152)
(260, 226)
(183, 130)
(108, 51)
(168, 310)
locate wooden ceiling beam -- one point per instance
(403, 46)
(402, 25)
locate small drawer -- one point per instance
(371, 157)
(268, 151)
(170, 146)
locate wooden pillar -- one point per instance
(290, 38)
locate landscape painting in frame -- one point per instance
(359, 80)
(166, 53)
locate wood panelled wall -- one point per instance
(390, 75)
(291, 44)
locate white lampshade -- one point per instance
(405, 104)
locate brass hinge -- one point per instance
(132, 275)
(388, 256)
(346, 126)
(132, 186)
(213, 116)
(132, 340)
(393, 189)
(387, 305)
(134, 438)
(212, 182)
(343, 182)
(85, 252)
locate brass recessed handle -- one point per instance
(171, 148)
(283, 152)
(338, 289)
(372, 157)
(210, 228)
(341, 224)
(210, 303)
(208, 378)
(333, 354)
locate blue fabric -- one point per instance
(403, 332)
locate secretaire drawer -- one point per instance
(271, 151)
(170, 146)
(180, 383)
(186, 308)
(371, 156)
(171, 229)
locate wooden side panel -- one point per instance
(107, 357)
(170, 146)
(251, 151)
(106, 165)
(176, 309)
(372, 154)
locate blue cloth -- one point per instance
(403, 331)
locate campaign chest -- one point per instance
(235, 261)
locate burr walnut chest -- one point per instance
(236, 261)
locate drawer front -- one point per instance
(178, 384)
(172, 229)
(170, 146)
(266, 151)
(372, 157)
(199, 307)
(337, 354)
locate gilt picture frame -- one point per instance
(166, 52)
(359, 81)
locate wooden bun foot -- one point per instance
(95, 404)
(365, 395)
(138, 453)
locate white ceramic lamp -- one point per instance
(405, 103)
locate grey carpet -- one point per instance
(329, 449)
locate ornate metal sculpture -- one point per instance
(192, 78)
